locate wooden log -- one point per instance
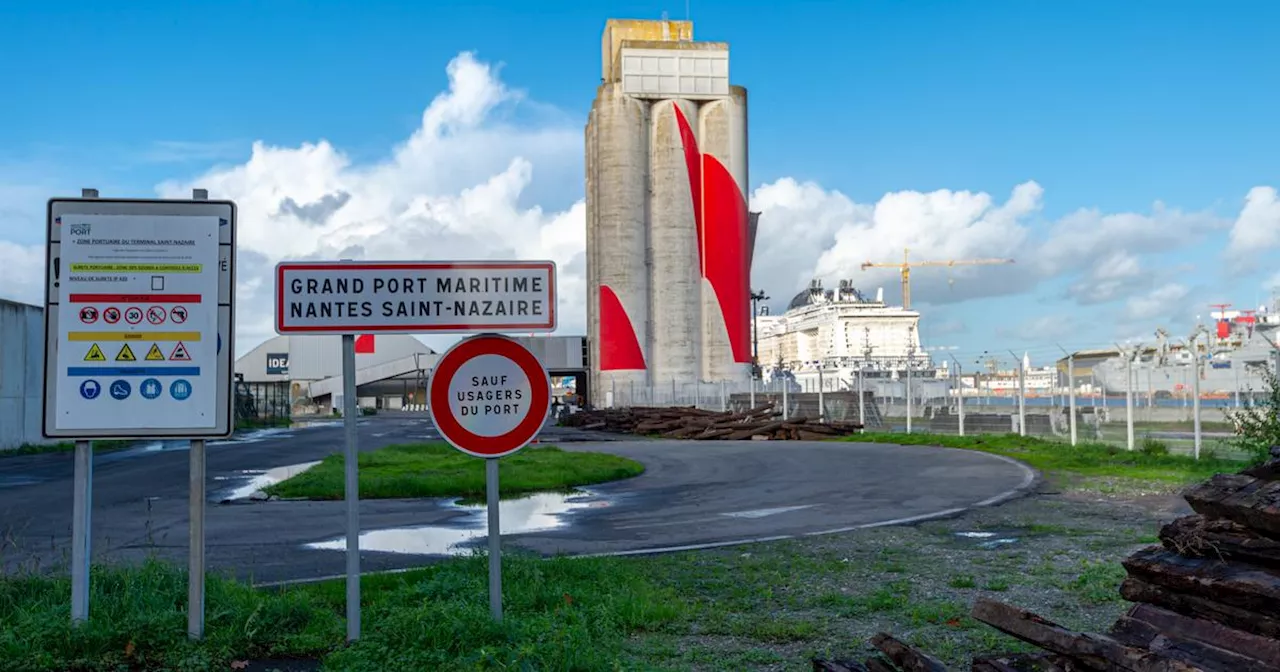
(1218, 538)
(820, 665)
(880, 665)
(1137, 590)
(808, 435)
(1097, 652)
(1252, 502)
(748, 432)
(1204, 642)
(1231, 583)
(1033, 662)
(905, 656)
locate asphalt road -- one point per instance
(692, 494)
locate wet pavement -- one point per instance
(692, 494)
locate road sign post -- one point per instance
(116, 269)
(489, 397)
(347, 298)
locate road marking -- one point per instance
(761, 513)
(1028, 479)
(755, 513)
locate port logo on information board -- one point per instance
(405, 297)
(489, 396)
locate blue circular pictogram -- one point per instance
(90, 389)
(120, 390)
(150, 388)
(180, 389)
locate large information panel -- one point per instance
(139, 319)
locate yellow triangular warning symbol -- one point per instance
(126, 355)
(179, 353)
(95, 354)
(154, 354)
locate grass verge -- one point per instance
(263, 423)
(764, 606)
(62, 447)
(439, 470)
(1087, 464)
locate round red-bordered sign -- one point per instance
(520, 360)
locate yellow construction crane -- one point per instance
(906, 265)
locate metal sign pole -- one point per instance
(81, 545)
(352, 490)
(195, 555)
(196, 493)
(495, 538)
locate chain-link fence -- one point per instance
(931, 405)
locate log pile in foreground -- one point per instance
(687, 422)
(1206, 599)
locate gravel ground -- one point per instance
(775, 606)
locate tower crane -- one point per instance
(906, 266)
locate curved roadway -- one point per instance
(693, 494)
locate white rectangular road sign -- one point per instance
(348, 297)
(138, 318)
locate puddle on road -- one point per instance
(536, 513)
(989, 540)
(259, 479)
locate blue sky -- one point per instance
(1108, 107)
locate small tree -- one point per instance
(1257, 423)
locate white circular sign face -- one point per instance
(490, 395)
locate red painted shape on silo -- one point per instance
(693, 160)
(725, 253)
(619, 346)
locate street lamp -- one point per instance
(756, 298)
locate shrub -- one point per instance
(1257, 423)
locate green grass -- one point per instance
(263, 423)
(439, 470)
(1093, 460)
(62, 447)
(559, 614)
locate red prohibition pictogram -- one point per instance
(156, 315)
(111, 315)
(132, 315)
(178, 314)
(489, 396)
(88, 314)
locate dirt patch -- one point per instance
(774, 606)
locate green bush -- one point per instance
(1153, 447)
(1257, 423)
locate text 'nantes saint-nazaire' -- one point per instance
(406, 297)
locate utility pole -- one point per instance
(1196, 363)
(1071, 389)
(959, 393)
(862, 375)
(1022, 395)
(1128, 355)
(911, 354)
(756, 298)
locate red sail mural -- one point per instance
(619, 347)
(720, 210)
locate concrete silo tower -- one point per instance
(668, 233)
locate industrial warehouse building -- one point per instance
(21, 373)
(290, 376)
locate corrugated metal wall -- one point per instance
(21, 373)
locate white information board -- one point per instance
(138, 319)
(355, 297)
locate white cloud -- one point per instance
(22, 272)
(1257, 229)
(1112, 277)
(451, 191)
(1162, 302)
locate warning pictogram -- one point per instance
(154, 354)
(133, 315)
(111, 315)
(88, 314)
(156, 315)
(178, 314)
(95, 354)
(126, 354)
(179, 353)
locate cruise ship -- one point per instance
(843, 333)
(1241, 344)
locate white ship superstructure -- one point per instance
(843, 333)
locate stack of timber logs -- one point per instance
(687, 422)
(1207, 599)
